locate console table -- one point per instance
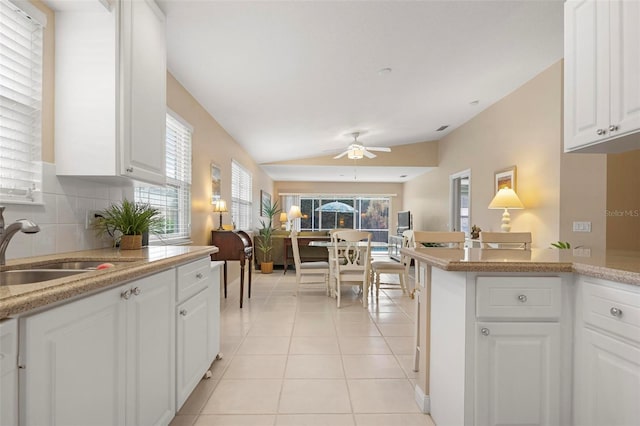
(302, 241)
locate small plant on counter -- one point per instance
(130, 219)
(562, 245)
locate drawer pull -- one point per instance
(485, 331)
(199, 275)
(183, 312)
(126, 294)
(522, 298)
(616, 312)
(136, 291)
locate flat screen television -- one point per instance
(404, 221)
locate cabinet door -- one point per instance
(74, 358)
(625, 67)
(9, 372)
(586, 72)
(517, 374)
(214, 310)
(143, 91)
(193, 336)
(607, 386)
(151, 350)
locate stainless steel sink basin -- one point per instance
(29, 276)
(84, 264)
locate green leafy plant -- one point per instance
(562, 245)
(265, 243)
(129, 218)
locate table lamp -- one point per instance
(220, 206)
(283, 220)
(506, 199)
(294, 213)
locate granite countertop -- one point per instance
(131, 264)
(620, 266)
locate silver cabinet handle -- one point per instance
(126, 294)
(613, 128)
(601, 131)
(485, 331)
(199, 275)
(616, 312)
(136, 291)
(522, 298)
(183, 312)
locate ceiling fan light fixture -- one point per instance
(355, 154)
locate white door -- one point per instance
(517, 374)
(586, 72)
(214, 311)
(151, 350)
(193, 337)
(607, 387)
(143, 91)
(625, 67)
(75, 367)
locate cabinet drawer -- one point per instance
(612, 309)
(519, 297)
(192, 278)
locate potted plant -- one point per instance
(131, 220)
(265, 244)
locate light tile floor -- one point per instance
(295, 359)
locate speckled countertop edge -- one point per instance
(603, 272)
(76, 285)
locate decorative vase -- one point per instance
(266, 267)
(131, 242)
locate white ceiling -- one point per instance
(291, 79)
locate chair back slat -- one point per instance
(452, 239)
(505, 239)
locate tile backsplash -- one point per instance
(62, 217)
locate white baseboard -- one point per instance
(423, 401)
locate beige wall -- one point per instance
(623, 201)
(48, 83)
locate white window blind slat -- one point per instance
(21, 41)
(173, 200)
(241, 196)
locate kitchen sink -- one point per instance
(29, 276)
(83, 264)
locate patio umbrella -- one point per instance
(336, 207)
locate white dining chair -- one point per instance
(318, 272)
(352, 253)
(391, 267)
(505, 240)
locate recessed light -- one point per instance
(441, 128)
(403, 176)
(474, 103)
(384, 71)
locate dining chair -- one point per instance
(438, 239)
(318, 271)
(505, 240)
(352, 260)
(391, 267)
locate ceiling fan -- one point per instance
(356, 150)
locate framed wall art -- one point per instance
(216, 183)
(505, 178)
(265, 201)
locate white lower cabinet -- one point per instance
(9, 372)
(517, 377)
(107, 359)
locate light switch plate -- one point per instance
(581, 226)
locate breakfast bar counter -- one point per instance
(130, 264)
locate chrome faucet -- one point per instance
(23, 225)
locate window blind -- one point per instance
(241, 195)
(21, 34)
(173, 200)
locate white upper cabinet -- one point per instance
(602, 76)
(111, 91)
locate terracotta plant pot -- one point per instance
(131, 242)
(266, 267)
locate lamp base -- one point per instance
(506, 221)
(220, 223)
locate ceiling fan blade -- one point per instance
(379, 148)
(342, 154)
(368, 154)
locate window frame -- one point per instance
(241, 196)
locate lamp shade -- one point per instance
(283, 217)
(220, 206)
(294, 212)
(506, 198)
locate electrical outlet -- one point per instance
(582, 252)
(581, 226)
(90, 220)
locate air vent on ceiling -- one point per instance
(441, 128)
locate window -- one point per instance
(173, 200)
(21, 32)
(241, 190)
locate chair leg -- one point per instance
(377, 285)
(338, 291)
(402, 283)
